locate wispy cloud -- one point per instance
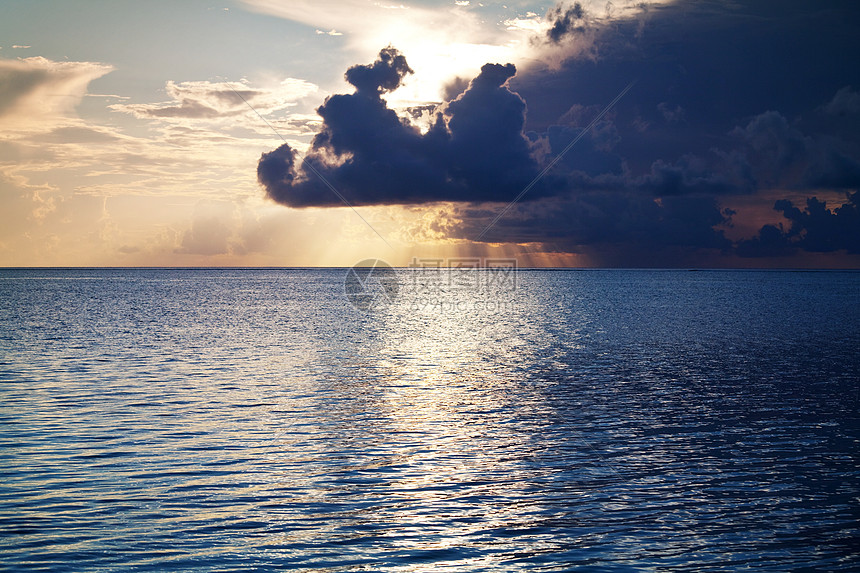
(37, 94)
(210, 100)
(113, 185)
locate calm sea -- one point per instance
(227, 420)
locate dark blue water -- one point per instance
(223, 420)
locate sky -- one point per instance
(309, 133)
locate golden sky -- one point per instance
(124, 140)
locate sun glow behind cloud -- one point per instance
(170, 180)
(440, 44)
(106, 160)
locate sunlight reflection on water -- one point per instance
(222, 419)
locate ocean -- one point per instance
(527, 420)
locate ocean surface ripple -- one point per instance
(253, 419)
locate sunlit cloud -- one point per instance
(450, 40)
(37, 94)
(209, 100)
(120, 187)
(530, 21)
(441, 42)
(164, 170)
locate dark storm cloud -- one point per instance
(593, 155)
(671, 114)
(565, 21)
(846, 102)
(731, 99)
(474, 151)
(735, 98)
(819, 229)
(454, 88)
(712, 65)
(384, 75)
(815, 229)
(675, 204)
(766, 152)
(615, 221)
